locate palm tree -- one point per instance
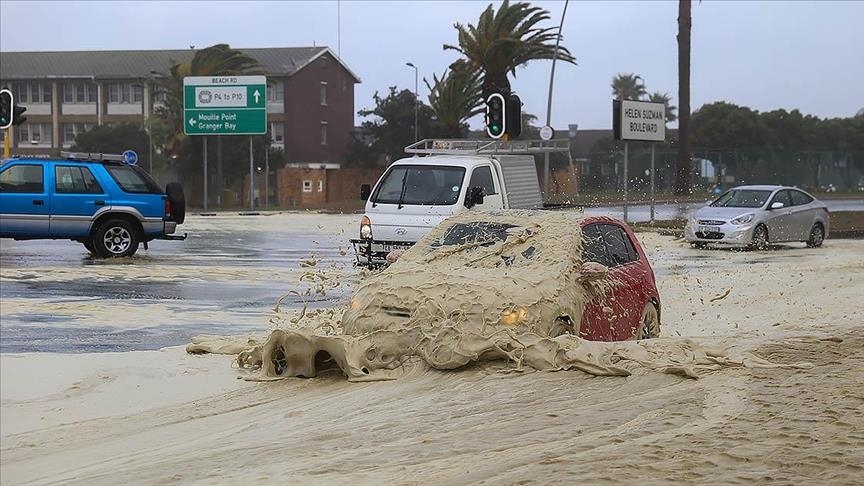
(505, 39)
(628, 87)
(455, 98)
(658, 97)
(682, 167)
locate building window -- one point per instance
(275, 92)
(74, 93)
(307, 186)
(33, 94)
(72, 130)
(323, 93)
(125, 93)
(159, 95)
(320, 186)
(277, 132)
(323, 133)
(35, 134)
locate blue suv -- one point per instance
(103, 201)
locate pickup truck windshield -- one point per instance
(420, 185)
(742, 198)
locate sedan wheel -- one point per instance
(649, 324)
(817, 236)
(760, 238)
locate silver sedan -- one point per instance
(755, 216)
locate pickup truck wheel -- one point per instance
(116, 238)
(174, 191)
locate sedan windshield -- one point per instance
(420, 184)
(742, 198)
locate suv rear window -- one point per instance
(133, 179)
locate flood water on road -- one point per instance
(225, 278)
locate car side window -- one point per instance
(22, 178)
(800, 199)
(618, 245)
(782, 196)
(482, 177)
(593, 247)
(75, 180)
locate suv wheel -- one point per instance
(88, 244)
(116, 238)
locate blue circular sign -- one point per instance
(130, 157)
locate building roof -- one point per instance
(275, 61)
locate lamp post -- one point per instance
(546, 174)
(416, 100)
(151, 78)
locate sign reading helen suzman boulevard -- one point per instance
(639, 120)
(225, 105)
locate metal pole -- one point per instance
(6, 143)
(150, 140)
(546, 174)
(416, 106)
(266, 178)
(205, 171)
(653, 194)
(626, 158)
(251, 177)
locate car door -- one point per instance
(803, 215)
(780, 220)
(614, 314)
(481, 176)
(76, 197)
(24, 203)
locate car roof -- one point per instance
(763, 187)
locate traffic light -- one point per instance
(17, 111)
(514, 116)
(496, 115)
(7, 102)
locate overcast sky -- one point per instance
(766, 55)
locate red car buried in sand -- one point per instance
(543, 272)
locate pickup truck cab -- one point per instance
(416, 193)
(107, 204)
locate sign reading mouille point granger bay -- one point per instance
(225, 105)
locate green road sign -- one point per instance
(225, 105)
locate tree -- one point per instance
(115, 139)
(505, 39)
(628, 87)
(455, 98)
(682, 167)
(658, 97)
(391, 130)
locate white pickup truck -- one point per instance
(415, 194)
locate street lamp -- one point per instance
(416, 99)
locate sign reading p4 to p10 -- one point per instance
(639, 120)
(225, 105)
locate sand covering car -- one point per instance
(501, 293)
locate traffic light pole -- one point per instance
(546, 172)
(6, 144)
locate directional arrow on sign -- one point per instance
(257, 95)
(192, 121)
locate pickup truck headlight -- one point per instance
(366, 228)
(743, 219)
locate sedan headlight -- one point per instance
(513, 316)
(743, 219)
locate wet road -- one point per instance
(224, 279)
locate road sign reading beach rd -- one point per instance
(225, 105)
(639, 120)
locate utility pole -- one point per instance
(416, 100)
(546, 173)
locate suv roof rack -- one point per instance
(96, 157)
(479, 147)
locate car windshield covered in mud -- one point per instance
(477, 237)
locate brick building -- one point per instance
(310, 96)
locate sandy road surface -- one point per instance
(162, 416)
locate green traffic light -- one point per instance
(495, 128)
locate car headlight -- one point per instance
(743, 219)
(513, 316)
(366, 228)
